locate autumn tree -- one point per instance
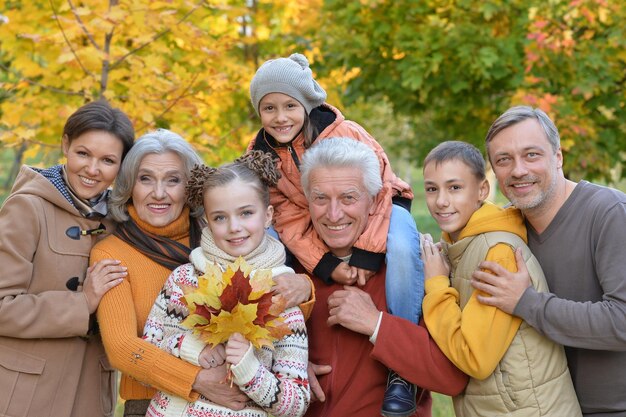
(453, 66)
(173, 64)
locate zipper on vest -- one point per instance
(294, 156)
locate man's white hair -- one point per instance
(342, 152)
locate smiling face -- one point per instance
(93, 160)
(282, 116)
(236, 217)
(453, 194)
(340, 206)
(159, 191)
(525, 165)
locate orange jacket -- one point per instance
(291, 211)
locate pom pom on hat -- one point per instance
(291, 76)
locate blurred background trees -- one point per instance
(414, 73)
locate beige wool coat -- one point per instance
(49, 366)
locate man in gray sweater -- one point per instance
(577, 231)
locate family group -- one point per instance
(513, 311)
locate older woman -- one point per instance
(156, 233)
(52, 362)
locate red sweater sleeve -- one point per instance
(409, 350)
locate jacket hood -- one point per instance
(31, 182)
(491, 218)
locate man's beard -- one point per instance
(541, 198)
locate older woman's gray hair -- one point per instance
(342, 153)
(159, 141)
(518, 114)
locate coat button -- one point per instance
(73, 232)
(72, 284)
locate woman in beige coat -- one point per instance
(52, 363)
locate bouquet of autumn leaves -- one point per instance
(234, 302)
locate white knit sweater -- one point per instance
(275, 381)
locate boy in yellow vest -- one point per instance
(514, 371)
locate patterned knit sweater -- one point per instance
(275, 380)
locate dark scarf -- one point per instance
(162, 250)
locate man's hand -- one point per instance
(504, 287)
(212, 384)
(354, 309)
(344, 274)
(316, 390)
(295, 288)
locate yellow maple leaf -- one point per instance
(194, 320)
(240, 320)
(261, 283)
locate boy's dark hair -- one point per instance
(99, 115)
(454, 150)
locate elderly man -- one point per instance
(349, 328)
(576, 231)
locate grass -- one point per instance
(442, 406)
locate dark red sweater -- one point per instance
(356, 385)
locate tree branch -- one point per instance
(173, 103)
(155, 37)
(106, 63)
(82, 26)
(46, 87)
(56, 17)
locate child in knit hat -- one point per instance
(294, 115)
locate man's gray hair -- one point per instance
(342, 153)
(518, 114)
(157, 142)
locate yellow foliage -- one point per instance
(214, 321)
(181, 64)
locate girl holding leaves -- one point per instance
(236, 202)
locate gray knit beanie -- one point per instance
(291, 76)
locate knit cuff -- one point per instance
(402, 202)
(247, 367)
(178, 381)
(326, 266)
(366, 260)
(190, 348)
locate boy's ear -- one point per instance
(483, 190)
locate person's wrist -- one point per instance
(374, 333)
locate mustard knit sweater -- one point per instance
(123, 312)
